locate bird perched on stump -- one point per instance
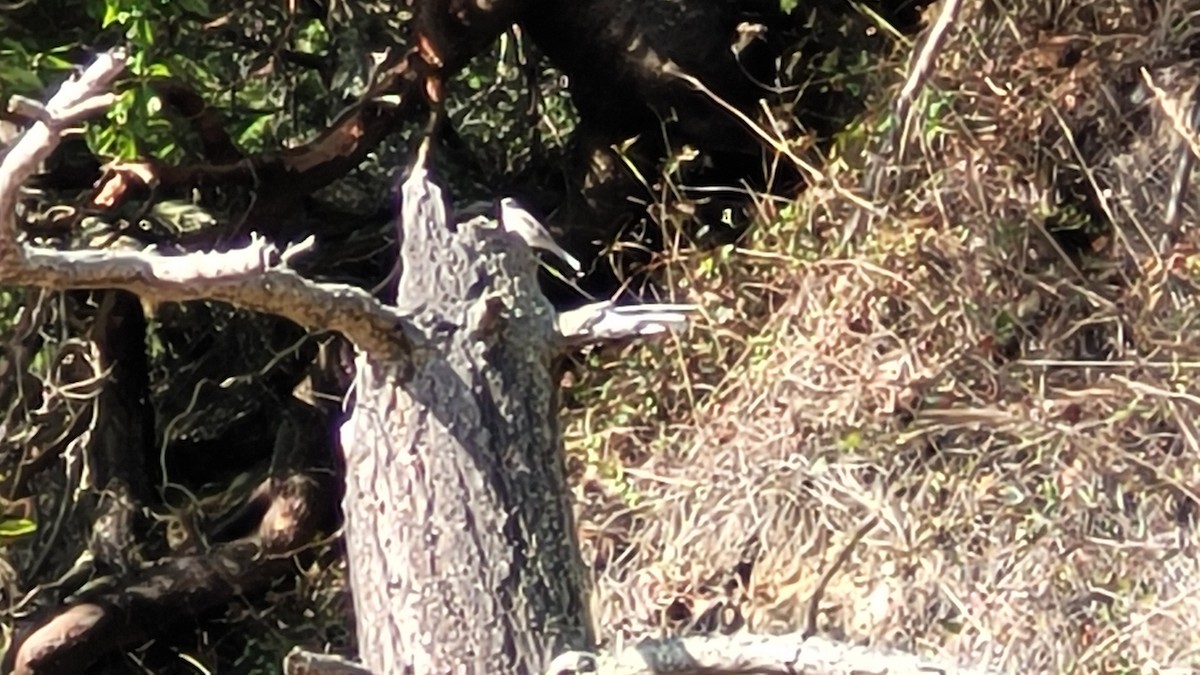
(513, 218)
(516, 220)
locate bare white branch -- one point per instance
(746, 654)
(40, 140)
(603, 321)
(255, 277)
(301, 662)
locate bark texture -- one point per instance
(462, 549)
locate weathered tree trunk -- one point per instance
(460, 539)
(117, 459)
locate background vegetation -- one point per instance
(941, 399)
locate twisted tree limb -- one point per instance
(447, 34)
(281, 178)
(120, 611)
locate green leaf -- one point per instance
(252, 135)
(12, 528)
(141, 33)
(16, 78)
(193, 6)
(112, 11)
(158, 70)
(851, 441)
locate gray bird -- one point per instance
(516, 220)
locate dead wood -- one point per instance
(745, 654)
(292, 506)
(455, 454)
(216, 145)
(283, 178)
(255, 277)
(124, 432)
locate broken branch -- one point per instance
(602, 321)
(746, 654)
(254, 277)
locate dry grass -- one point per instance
(967, 431)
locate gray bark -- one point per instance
(462, 549)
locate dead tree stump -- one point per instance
(460, 535)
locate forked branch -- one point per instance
(255, 277)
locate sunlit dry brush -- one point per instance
(991, 384)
